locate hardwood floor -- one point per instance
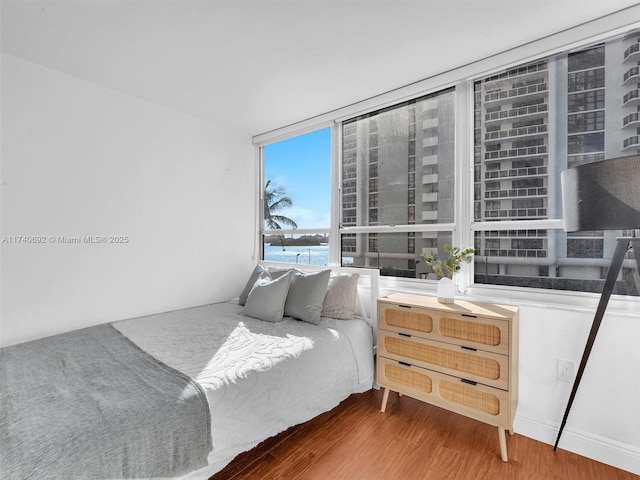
(411, 441)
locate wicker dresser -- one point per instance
(461, 356)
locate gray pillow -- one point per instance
(277, 272)
(306, 294)
(257, 273)
(341, 298)
(267, 298)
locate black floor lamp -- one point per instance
(602, 196)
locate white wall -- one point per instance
(604, 421)
(82, 160)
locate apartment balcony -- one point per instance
(430, 215)
(505, 96)
(631, 98)
(631, 120)
(515, 173)
(429, 160)
(519, 72)
(429, 141)
(516, 133)
(430, 123)
(516, 214)
(633, 34)
(539, 110)
(631, 143)
(429, 179)
(632, 54)
(429, 104)
(515, 253)
(429, 197)
(631, 74)
(515, 153)
(516, 193)
(510, 234)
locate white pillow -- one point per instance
(267, 298)
(306, 294)
(341, 297)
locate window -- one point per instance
(296, 198)
(580, 101)
(404, 178)
(398, 196)
(586, 122)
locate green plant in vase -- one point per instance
(447, 267)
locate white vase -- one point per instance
(446, 290)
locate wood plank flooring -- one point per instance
(411, 441)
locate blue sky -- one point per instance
(301, 165)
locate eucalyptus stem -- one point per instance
(451, 265)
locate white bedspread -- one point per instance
(260, 377)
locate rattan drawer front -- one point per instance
(481, 333)
(413, 381)
(483, 367)
(405, 319)
(485, 402)
(473, 331)
(478, 401)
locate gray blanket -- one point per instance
(91, 405)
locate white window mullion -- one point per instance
(463, 236)
(259, 221)
(335, 254)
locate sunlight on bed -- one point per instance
(245, 351)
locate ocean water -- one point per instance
(314, 255)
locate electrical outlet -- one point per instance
(566, 370)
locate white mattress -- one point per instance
(259, 377)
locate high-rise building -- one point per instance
(398, 169)
(531, 123)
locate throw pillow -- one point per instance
(340, 300)
(306, 294)
(267, 298)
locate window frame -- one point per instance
(260, 227)
(465, 226)
(450, 227)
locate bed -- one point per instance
(180, 394)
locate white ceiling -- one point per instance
(263, 64)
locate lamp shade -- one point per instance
(602, 195)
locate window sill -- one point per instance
(553, 299)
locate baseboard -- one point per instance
(601, 449)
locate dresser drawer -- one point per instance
(482, 367)
(405, 318)
(450, 325)
(473, 331)
(488, 404)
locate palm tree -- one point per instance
(274, 200)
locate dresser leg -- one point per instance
(385, 397)
(503, 444)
